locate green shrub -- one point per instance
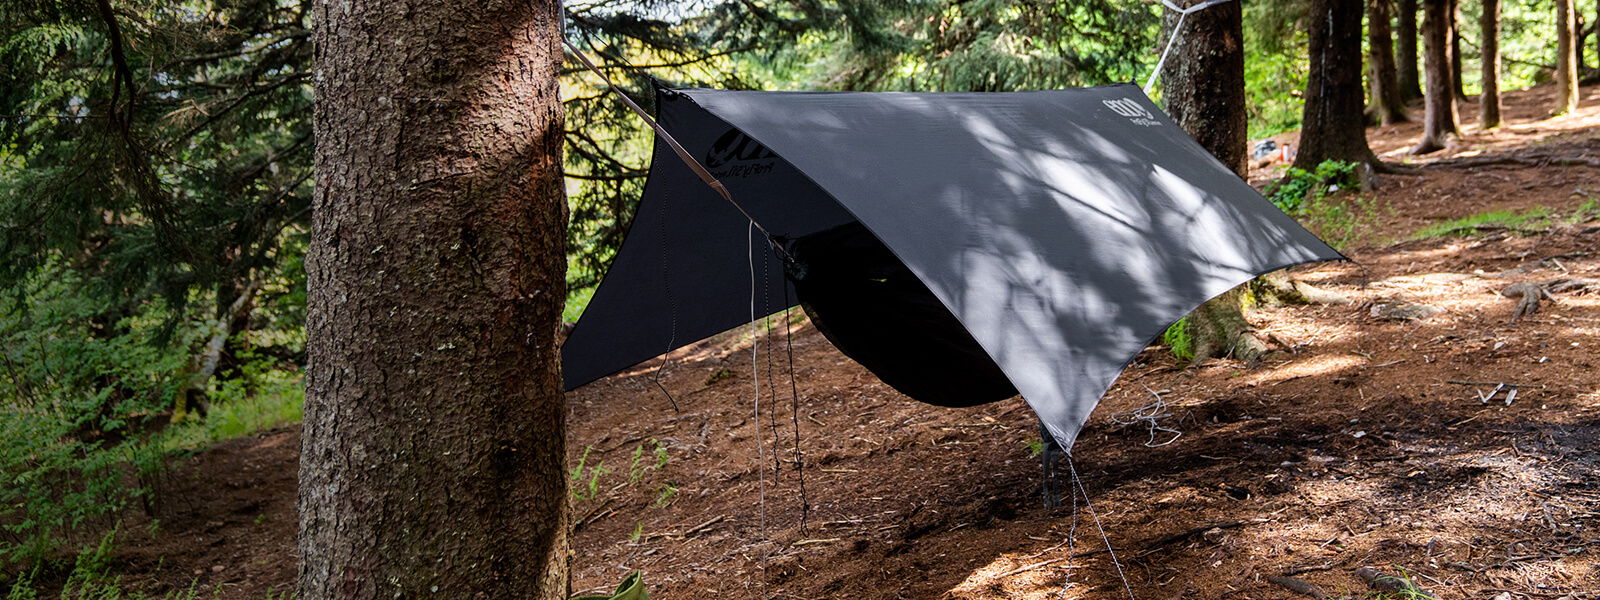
(1178, 339)
(1298, 187)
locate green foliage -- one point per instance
(91, 578)
(1034, 446)
(1274, 65)
(1309, 197)
(1298, 187)
(586, 479)
(665, 493)
(1179, 340)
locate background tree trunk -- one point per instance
(1489, 98)
(1406, 51)
(1333, 127)
(1457, 84)
(432, 463)
(1381, 73)
(1439, 121)
(1203, 85)
(1566, 61)
(1203, 82)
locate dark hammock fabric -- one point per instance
(875, 310)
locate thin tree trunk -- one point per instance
(1333, 127)
(1489, 99)
(192, 402)
(1406, 51)
(1382, 75)
(1457, 82)
(1566, 61)
(432, 463)
(1439, 121)
(1203, 85)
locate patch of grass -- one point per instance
(1469, 225)
(279, 400)
(1590, 209)
(1034, 446)
(1340, 222)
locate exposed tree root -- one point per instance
(1529, 293)
(1298, 586)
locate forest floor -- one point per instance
(1362, 442)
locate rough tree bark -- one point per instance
(1203, 82)
(1566, 61)
(1489, 99)
(1332, 126)
(1203, 85)
(1382, 76)
(1406, 50)
(1439, 120)
(432, 463)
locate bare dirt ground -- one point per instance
(1362, 442)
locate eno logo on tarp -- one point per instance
(741, 155)
(1127, 107)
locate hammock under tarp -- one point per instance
(961, 246)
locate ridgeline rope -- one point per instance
(694, 165)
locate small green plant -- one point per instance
(718, 375)
(586, 490)
(1035, 447)
(665, 493)
(1178, 340)
(638, 532)
(645, 463)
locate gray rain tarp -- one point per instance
(1064, 229)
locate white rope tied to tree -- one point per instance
(1176, 31)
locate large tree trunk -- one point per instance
(1439, 121)
(1566, 61)
(433, 454)
(1203, 85)
(1489, 99)
(1406, 51)
(1382, 76)
(1332, 127)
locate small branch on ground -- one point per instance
(1183, 535)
